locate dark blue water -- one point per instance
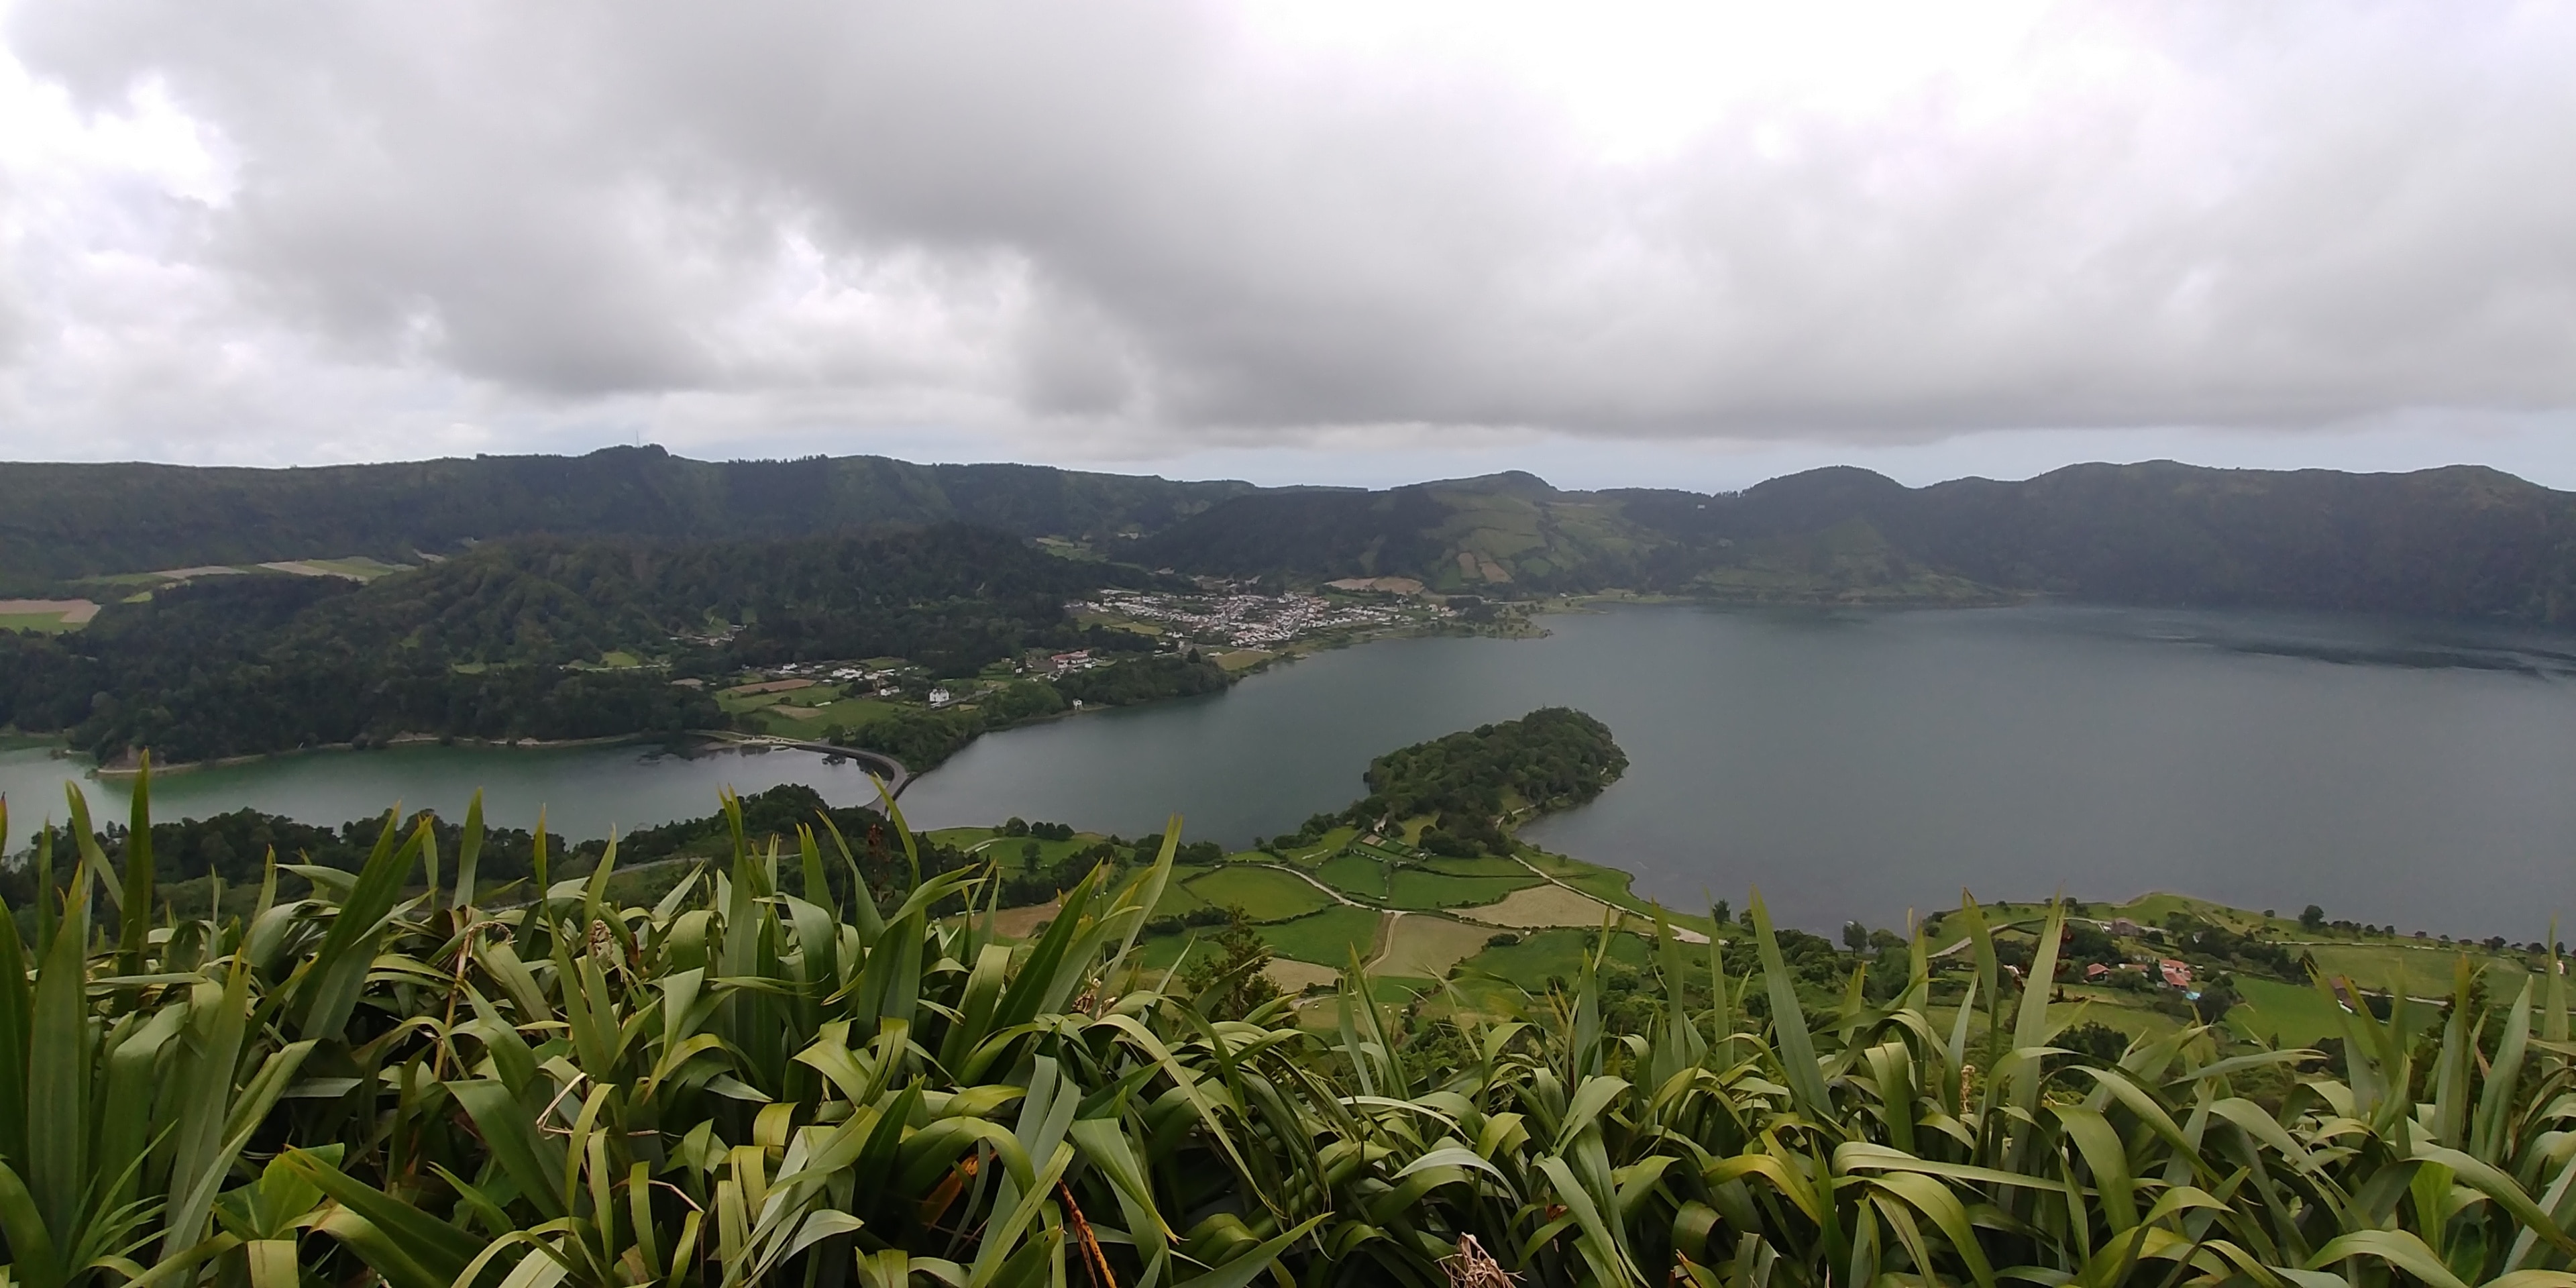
(1851, 764)
(1861, 764)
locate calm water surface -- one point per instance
(584, 791)
(1851, 764)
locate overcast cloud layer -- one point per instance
(1165, 232)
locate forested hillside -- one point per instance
(512, 639)
(2458, 542)
(2464, 541)
(61, 521)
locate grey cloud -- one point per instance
(1134, 217)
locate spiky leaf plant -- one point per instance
(386, 1081)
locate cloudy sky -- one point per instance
(1350, 242)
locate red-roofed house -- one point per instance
(2177, 975)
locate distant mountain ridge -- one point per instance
(2462, 541)
(63, 521)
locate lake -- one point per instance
(1852, 764)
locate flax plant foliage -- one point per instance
(384, 1081)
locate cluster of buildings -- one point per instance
(1241, 620)
(1066, 663)
(856, 680)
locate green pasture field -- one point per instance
(1353, 874)
(358, 566)
(121, 579)
(1158, 952)
(1334, 842)
(1264, 894)
(1601, 883)
(1396, 990)
(1325, 938)
(613, 660)
(44, 623)
(1013, 851)
(1417, 890)
(1178, 898)
(2425, 971)
(834, 710)
(2082, 1005)
(855, 712)
(783, 726)
(738, 703)
(2130, 1013)
(1610, 886)
(2285, 1015)
(1481, 866)
(1322, 1014)
(1382, 851)
(1558, 953)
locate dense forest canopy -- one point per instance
(1550, 759)
(487, 644)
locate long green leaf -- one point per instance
(1789, 1020)
(134, 919)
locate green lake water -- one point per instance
(1851, 764)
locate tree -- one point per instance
(2312, 918)
(1855, 936)
(1234, 970)
(2094, 1043)
(1889, 972)
(2217, 998)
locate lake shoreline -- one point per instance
(121, 772)
(1524, 626)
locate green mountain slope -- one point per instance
(64, 521)
(2460, 542)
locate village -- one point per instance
(1243, 619)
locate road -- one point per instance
(1387, 917)
(885, 767)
